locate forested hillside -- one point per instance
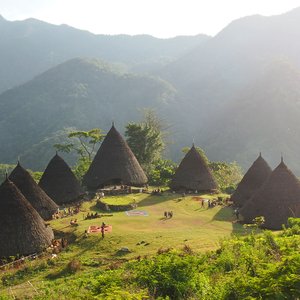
(31, 47)
(80, 93)
(234, 94)
(240, 90)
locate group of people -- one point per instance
(168, 214)
(210, 203)
(157, 191)
(66, 212)
(90, 216)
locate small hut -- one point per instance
(40, 201)
(59, 182)
(277, 199)
(114, 164)
(193, 174)
(251, 182)
(23, 231)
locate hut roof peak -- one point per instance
(41, 202)
(193, 173)
(256, 175)
(279, 194)
(114, 161)
(59, 182)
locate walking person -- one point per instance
(202, 203)
(103, 230)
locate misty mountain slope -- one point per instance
(30, 47)
(264, 117)
(80, 93)
(211, 77)
(218, 69)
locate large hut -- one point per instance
(23, 231)
(251, 182)
(277, 199)
(193, 174)
(59, 182)
(114, 164)
(40, 201)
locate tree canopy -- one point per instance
(146, 139)
(84, 146)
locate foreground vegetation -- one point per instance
(200, 253)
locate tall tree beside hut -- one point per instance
(84, 144)
(147, 139)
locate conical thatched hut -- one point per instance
(277, 199)
(251, 182)
(22, 229)
(40, 201)
(114, 163)
(193, 173)
(59, 182)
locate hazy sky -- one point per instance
(161, 18)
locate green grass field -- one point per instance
(199, 228)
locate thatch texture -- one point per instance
(22, 229)
(114, 163)
(40, 201)
(59, 182)
(277, 199)
(193, 173)
(251, 182)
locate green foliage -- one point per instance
(171, 275)
(87, 142)
(4, 168)
(84, 147)
(36, 175)
(161, 172)
(146, 139)
(227, 175)
(293, 227)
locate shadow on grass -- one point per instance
(157, 199)
(226, 214)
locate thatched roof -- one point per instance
(114, 163)
(193, 173)
(59, 182)
(251, 182)
(277, 199)
(22, 229)
(40, 201)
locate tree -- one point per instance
(162, 172)
(146, 139)
(228, 175)
(84, 145)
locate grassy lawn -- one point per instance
(199, 228)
